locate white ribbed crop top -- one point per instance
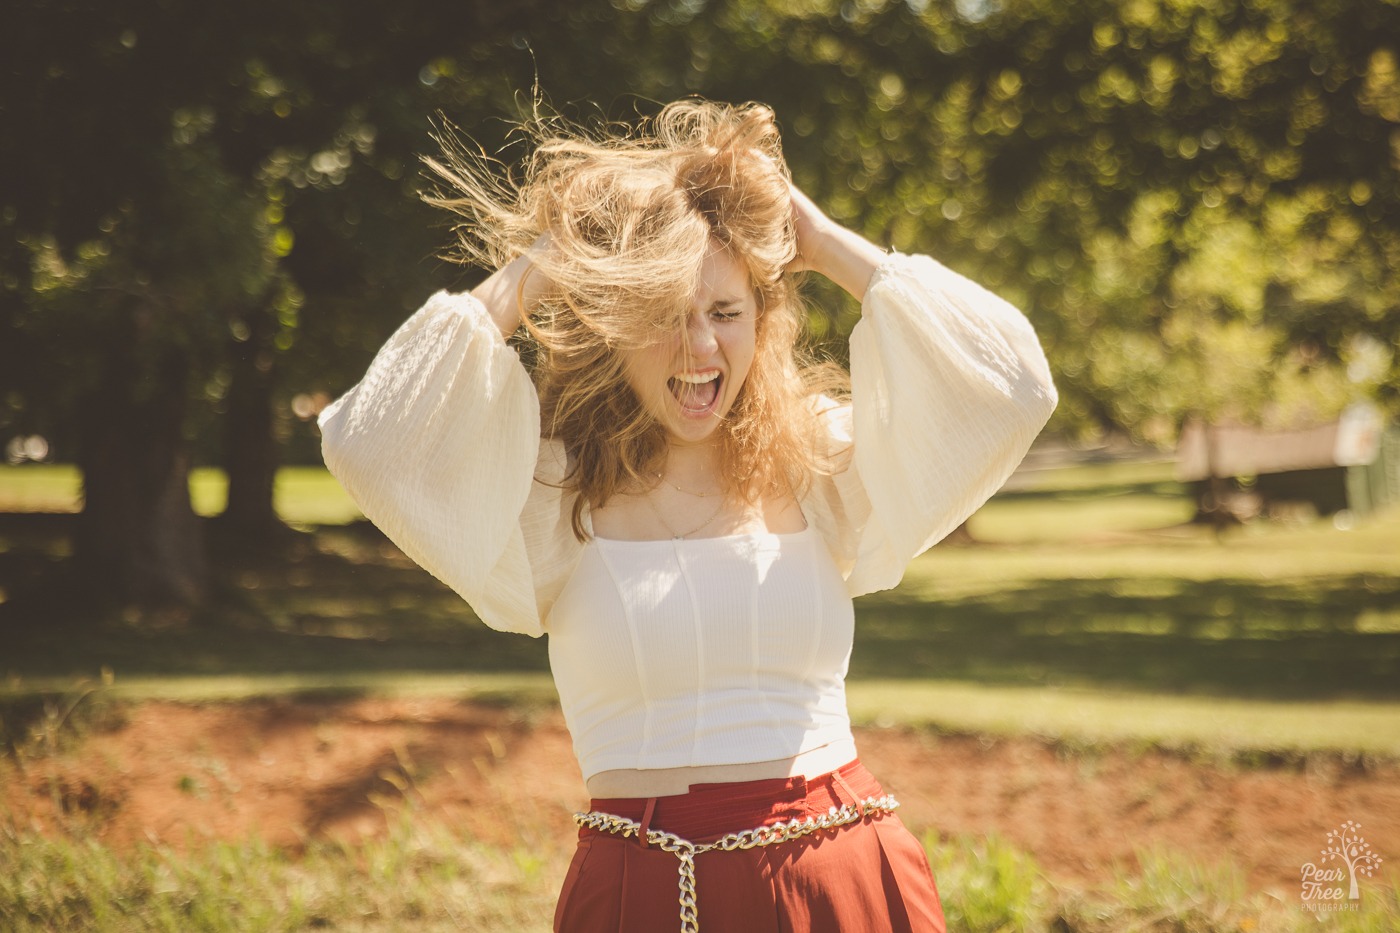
(679, 653)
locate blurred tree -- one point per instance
(139, 242)
(194, 229)
(211, 218)
(1161, 184)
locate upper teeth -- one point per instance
(698, 378)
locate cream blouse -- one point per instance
(440, 444)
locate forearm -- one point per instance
(499, 293)
(826, 247)
(847, 258)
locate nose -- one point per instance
(700, 336)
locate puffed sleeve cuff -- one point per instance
(949, 386)
(437, 444)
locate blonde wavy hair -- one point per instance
(630, 215)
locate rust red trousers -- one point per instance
(868, 877)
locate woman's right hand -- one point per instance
(502, 294)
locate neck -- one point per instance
(695, 466)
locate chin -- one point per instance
(693, 432)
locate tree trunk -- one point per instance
(250, 444)
(1213, 506)
(138, 540)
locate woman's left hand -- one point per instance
(827, 248)
(811, 226)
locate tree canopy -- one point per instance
(1197, 201)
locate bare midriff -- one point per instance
(667, 782)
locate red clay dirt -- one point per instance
(289, 771)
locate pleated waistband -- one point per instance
(709, 811)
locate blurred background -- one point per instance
(210, 220)
(211, 216)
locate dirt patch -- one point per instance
(290, 771)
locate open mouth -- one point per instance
(697, 393)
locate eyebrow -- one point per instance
(726, 303)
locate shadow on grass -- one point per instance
(1305, 639)
(346, 600)
(1048, 491)
(343, 599)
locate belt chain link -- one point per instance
(760, 836)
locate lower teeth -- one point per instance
(686, 395)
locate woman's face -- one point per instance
(689, 382)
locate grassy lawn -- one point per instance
(1073, 593)
(1087, 611)
(422, 877)
(303, 495)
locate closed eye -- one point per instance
(730, 310)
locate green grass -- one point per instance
(1061, 505)
(421, 876)
(1074, 585)
(1086, 613)
(1237, 728)
(40, 488)
(302, 495)
(417, 877)
(1233, 728)
(515, 688)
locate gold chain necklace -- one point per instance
(667, 525)
(698, 495)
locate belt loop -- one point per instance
(855, 798)
(646, 821)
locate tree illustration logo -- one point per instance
(1323, 882)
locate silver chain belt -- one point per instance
(760, 836)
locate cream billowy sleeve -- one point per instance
(439, 444)
(949, 386)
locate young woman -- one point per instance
(685, 509)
